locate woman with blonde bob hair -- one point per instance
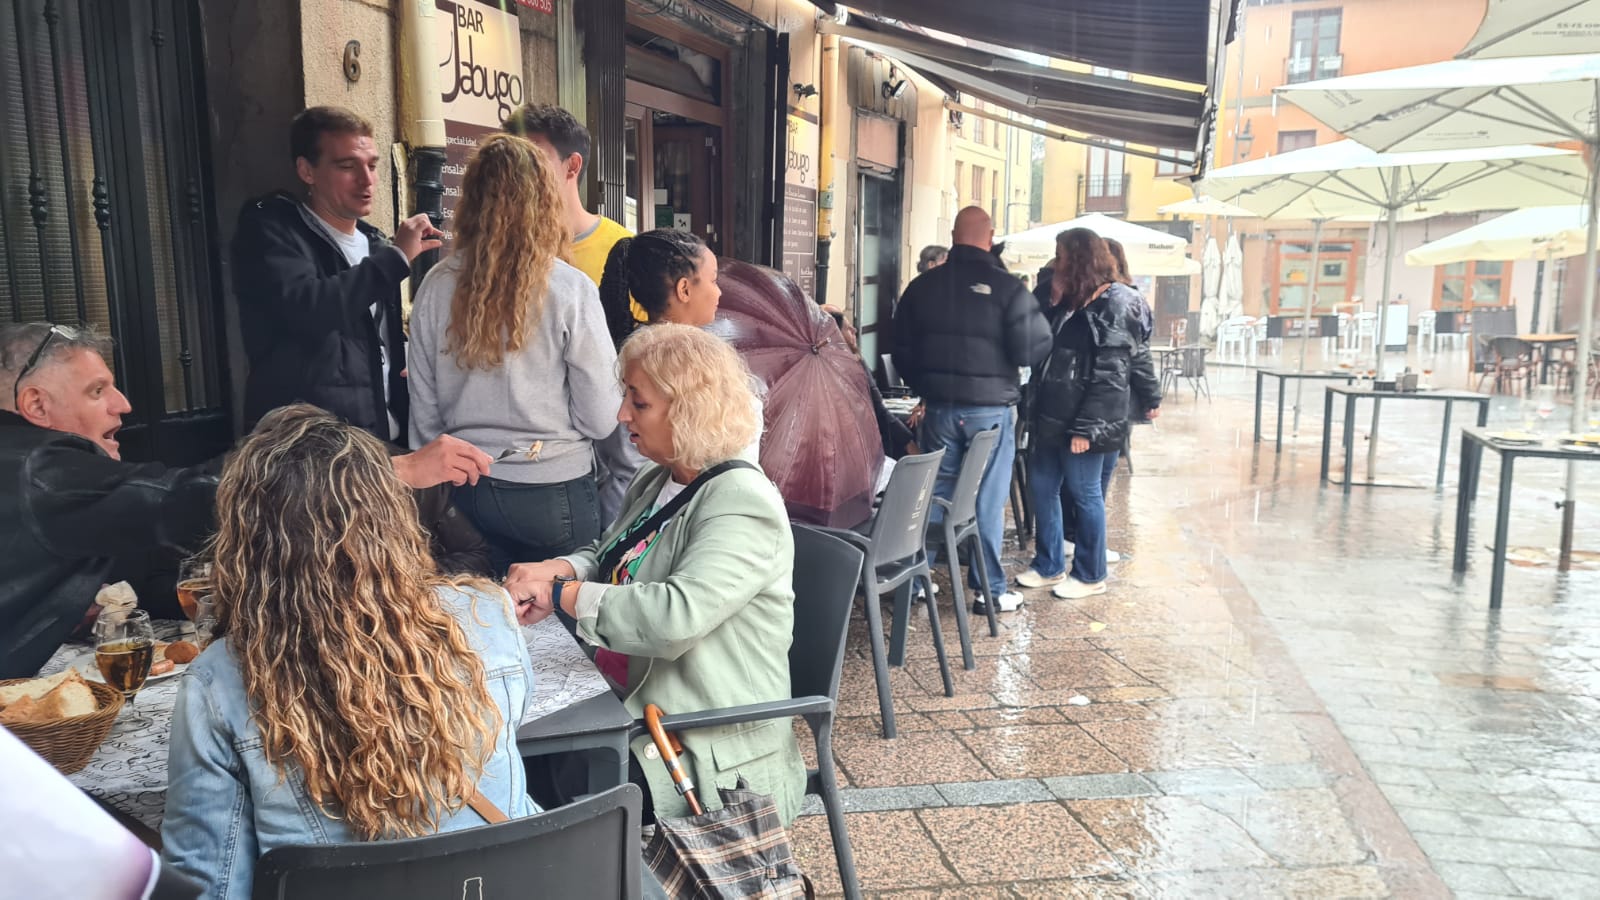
(510, 352)
(687, 597)
(351, 693)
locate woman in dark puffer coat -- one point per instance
(1084, 397)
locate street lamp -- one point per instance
(1244, 142)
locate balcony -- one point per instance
(1299, 69)
(1106, 193)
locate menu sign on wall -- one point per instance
(479, 80)
(800, 202)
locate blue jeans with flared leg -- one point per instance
(1056, 474)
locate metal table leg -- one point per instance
(1483, 413)
(1444, 443)
(1350, 440)
(1502, 525)
(1471, 458)
(1260, 376)
(1327, 430)
(1283, 383)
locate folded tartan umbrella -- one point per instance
(740, 850)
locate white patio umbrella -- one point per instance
(1489, 101)
(1539, 232)
(1210, 288)
(1534, 27)
(1347, 180)
(1150, 252)
(1205, 206)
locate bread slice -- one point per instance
(24, 711)
(71, 698)
(34, 688)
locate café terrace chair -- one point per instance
(826, 570)
(589, 848)
(895, 543)
(1512, 364)
(960, 527)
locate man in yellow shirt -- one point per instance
(565, 143)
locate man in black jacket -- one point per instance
(71, 510)
(319, 289)
(962, 332)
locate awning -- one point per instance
(1165, 38)
(1112, 108)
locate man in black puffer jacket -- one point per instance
(319, 288)
(962, 331)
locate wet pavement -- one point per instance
(1284, 693)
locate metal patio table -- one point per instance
(598, 725)
(1283, 376)
(1473, 442)
(1351, 394)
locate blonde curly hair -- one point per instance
(510, 230)
(712, 407)
(326, 596)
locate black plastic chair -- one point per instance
(585, 849)
(826, 570)
(960, 527)
(895, 543)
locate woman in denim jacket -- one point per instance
(352, 692)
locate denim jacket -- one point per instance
(227, 805)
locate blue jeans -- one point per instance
(951, 428)
(1069, 511)
(1083, 475)
(531, 522)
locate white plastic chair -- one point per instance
(1231, 337)
(1347, 331)
(1426, 338)
(1366, 330)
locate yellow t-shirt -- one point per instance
(589, 254)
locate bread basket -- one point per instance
(69, 744)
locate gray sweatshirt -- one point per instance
(560, 388)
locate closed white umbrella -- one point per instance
(1210, 288)
(1232, 279)
(1150, 252)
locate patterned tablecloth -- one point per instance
(129, 771)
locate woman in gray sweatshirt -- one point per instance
(510, 351)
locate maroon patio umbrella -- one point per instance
(821, 444)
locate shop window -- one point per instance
(1468, 285)
(1296, 140)
(1173, 169)
(977, 185)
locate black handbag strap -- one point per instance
(614, 553)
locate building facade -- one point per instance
(1290, 41)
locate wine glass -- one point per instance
(124, 648)
(194, 580)
(1427, 376)
(1544, 405)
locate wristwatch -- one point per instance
(555, 589)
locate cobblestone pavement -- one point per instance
(1287, 694)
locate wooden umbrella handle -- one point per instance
(670, 747)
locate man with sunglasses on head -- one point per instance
(71, 510)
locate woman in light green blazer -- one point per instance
(693, 610)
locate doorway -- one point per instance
(877, 264)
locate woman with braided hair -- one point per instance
(671, 274)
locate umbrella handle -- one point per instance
(669, 747)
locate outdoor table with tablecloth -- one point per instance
(572, 708)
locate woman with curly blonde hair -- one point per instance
(688, 596)
(510, 352)
(352, 692)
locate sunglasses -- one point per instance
(33, 361)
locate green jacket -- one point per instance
(707, 623)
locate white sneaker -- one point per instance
(1113, 556)
(1032, 579)
(1010, 601)
(1073, 589)
(1070, 551)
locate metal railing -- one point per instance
(1106, 193)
